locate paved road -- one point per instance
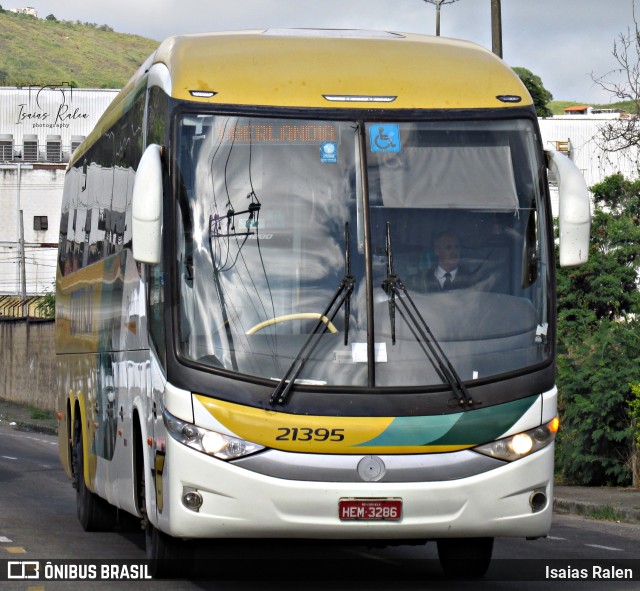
(38, 521)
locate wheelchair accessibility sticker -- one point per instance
(385, 137)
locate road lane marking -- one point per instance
(5, 540)
(50, 439)
(9, 457)
(555, 538)
(15, 550)
(604, 547)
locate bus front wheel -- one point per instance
(465, 557)
(168, 556)
(94, 513)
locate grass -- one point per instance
(39, 414)
(86, 55)
(24, 410)
(558, 107)
(604, 513)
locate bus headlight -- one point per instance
(219, 445)
(522, 444)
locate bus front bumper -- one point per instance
(239, 503)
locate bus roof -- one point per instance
(301, 67)
(312, 68)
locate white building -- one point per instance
(580, 138)
(28, 10)
(39, 128)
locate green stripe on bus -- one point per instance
(464, 428)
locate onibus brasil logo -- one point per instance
(65, 570)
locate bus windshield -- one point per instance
(273, 214)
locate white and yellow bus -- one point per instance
(250, 338)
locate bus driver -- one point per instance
(448, 272)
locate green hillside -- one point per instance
(558, 107)
(42, 51)
(39, 52)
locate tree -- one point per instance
(595, 442)
(599, 309)
(50, 17)
(438, 4)
(606, 287)
(47, 305)
(634, 406)
(623, 83)
(599, 343)
(540, 95)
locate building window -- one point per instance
(40, 222)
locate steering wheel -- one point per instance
(299, 316)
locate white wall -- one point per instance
(37, 191)
(51, 110)
(586, 149)
(36, 188)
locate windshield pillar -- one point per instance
(364, 176)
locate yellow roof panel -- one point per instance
(300, 67)
(297, 68)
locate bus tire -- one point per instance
(94, 513)
(465, 558)
(168, 556)
(128, 522)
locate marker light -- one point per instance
(509, 98)
(219, 445)
(359, 98)
(202, 93)
(522, 444)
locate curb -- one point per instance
(587, 509)
(31, 428)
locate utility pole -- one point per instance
(496, 27)
(438, 4)
(23, 270)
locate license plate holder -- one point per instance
(353, 509)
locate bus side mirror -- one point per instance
(575, 210)
(147, 207)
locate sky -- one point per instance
(565, 42)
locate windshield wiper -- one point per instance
(340, 297)
(395, 289)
